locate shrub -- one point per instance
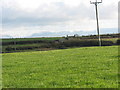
(72, 43)
(118, 42)
(45, 46)
(107, 43)
(25, 42)
(10, 49)
(81, 43)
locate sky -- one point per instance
(38, 18)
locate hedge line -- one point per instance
(26, 42)
(61, 45)
(118, 42)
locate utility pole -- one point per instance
(96, 8)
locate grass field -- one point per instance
(49, 38)
(87, 67)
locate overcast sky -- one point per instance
(22, 18)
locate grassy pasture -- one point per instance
(114, 40)
(87, 67)
(49, 38)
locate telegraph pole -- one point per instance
(96, 8)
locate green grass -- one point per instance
(87, 67)
(114, 40)
(48, 38)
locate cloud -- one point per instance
(56, 12)
(55, 15)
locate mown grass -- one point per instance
(87, 67)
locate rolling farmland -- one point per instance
(43, 44)
(86, 67)
(61, 44)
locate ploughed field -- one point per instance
(86, 67)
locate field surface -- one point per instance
(87, 67)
